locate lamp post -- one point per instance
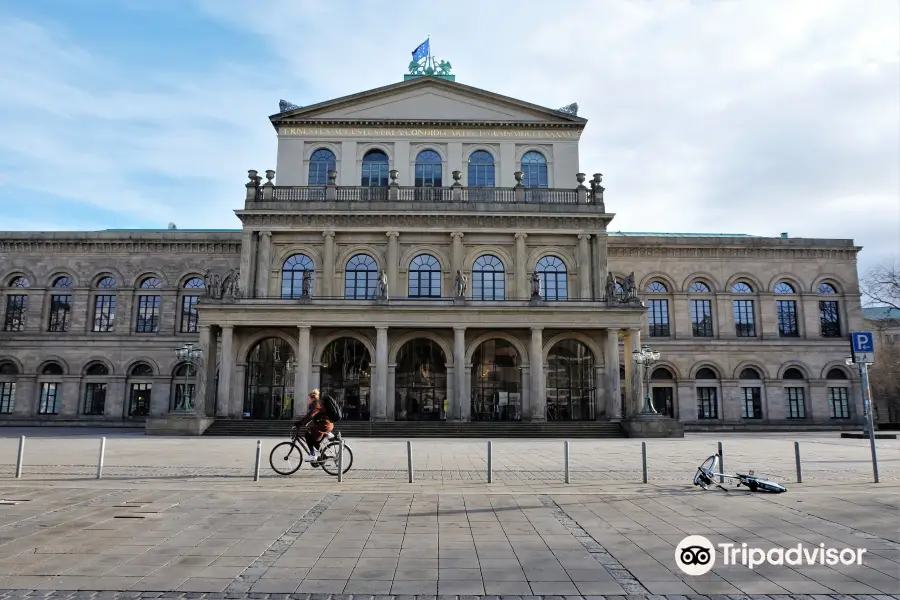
(192, 355)
(646, 357)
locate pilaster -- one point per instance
(456, 252)
(611, 375)
(248, 263)
(82, 310)
(600, 260)
(731, 401)
(457, 409)
(768, 317)
(114, 407)
(725, 316)
(687, 401)
(538, 400)
(159, 396)
(328, 265)
(600, 394)
(681, 316)
(584, 266)
(69, 395)
(391, 407)
(264, 264)
(34, 316)
(634, 381)
(393, 262)
(379, 410)
(226, 367)
(521, 287)
(302, 370)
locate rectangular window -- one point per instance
(184, 398)
(49, 397)
(139, 399)
(658, 317)
(840, 407)
(796, 403)
(751, 405)
(60, 313)
(16, 309)
(744, 318)
(189, 313)
(701, 318)
(105, 313)
(94, 398)
(787, 318)
(148, 314)
(7, 396)
(707, 403)
(830, 318)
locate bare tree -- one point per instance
(884, 379)
(882, 285)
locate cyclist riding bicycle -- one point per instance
(317, 424)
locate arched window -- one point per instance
(94, 390)
(105, 305)
(662, 386)
(829, 313)
(838, 394)
(420, 382)
(428, 169)
(749, 373)
(16, 305)
(375, 169)
(185, 387)
(698, 287)
(96, 370)
(783, 287)
(570, 382)
(706, 373)
(795, 393)
(270, 381)
(424, 277)
(321, 161)
(51, 389)
(295, 269)
(481, 169)
(826, 288)
(751, 394)
(658, 310)
(189, 299)
(496, 382)
(151, 283)
(744, 311)
(793, 373)
(489, 278)
(701, 311)
(52, 369)
(360, 277)
(534, 166)
(346, 376)
(8, 373)
(553, 276)
(140, 391)
(61, 305)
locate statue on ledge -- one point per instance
(535, 285)
(305, 284)
(630, 288)
(610, 287)
(383, 286)
(462, 284)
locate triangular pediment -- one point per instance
(428, 99)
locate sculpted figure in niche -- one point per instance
(630, 287)
(462, 284)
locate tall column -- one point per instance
(536, 362)
(264, 264)
(206, 377)
(301, 371)
(328, 265)
(393, 260)
(613, 393)
(521, 288)
(600, 260)
(462, 395)
(634, 392)
(226, 367)
(381, 374)
(584, 266)
(248, 264)
(456, 253)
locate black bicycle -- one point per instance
(286, 458)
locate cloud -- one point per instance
(705, 115)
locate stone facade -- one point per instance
(534, 333)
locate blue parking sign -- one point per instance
(863, 346)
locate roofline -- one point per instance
(277, 118)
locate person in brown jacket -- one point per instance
(317, 424)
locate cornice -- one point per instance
(288, 122)
(682, 251)
(106, 246)
(435, 221)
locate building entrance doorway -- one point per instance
(570, 382)
(346, 376)
(270, 381)
(496, 382)
(420, 382)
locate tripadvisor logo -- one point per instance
(696, 555)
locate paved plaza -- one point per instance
(183, 517)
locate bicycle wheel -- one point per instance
(329, 458)
(286, 458)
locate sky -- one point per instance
(738, 116)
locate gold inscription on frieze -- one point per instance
(431, 132)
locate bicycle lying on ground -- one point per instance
(287, 457)
(709, 470)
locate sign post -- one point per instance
(863, 347)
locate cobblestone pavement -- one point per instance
(312, 538)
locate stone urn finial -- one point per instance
(394, 173)
(598, 177)
(580, 177)
(519, 175)
(270, 175)
(332, 177)
(251, 174)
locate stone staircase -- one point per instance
(426, 429)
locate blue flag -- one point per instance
(422, 51)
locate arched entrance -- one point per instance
(347, 376)
(496, 382)
(570, 382)
(662, 385)
(420, 382)
(270, 380)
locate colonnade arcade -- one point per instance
(409, 375)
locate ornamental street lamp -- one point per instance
(646, 357)
(192, 355)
